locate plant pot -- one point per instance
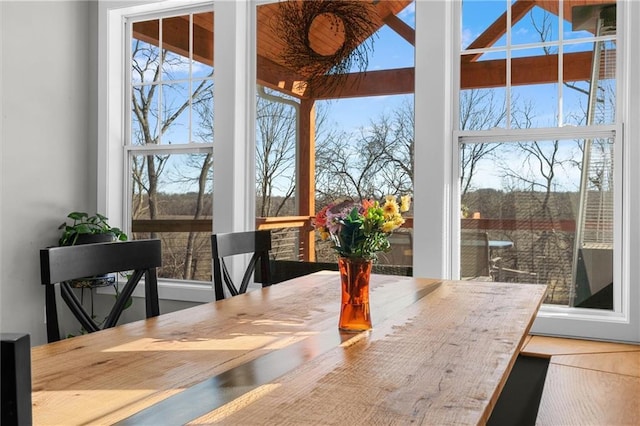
(93, 238)
(97, 281)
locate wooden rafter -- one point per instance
(400, 27)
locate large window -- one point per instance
(169, 145)
(537, 143)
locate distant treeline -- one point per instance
(490, 203)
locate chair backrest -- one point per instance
(283, 270)
(225, 245)
(474, 255)
(60, 265)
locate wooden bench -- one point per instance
(587, 382)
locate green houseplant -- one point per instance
(88, 229)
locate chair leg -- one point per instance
(53, 330)
(15, 363)
(151, 293)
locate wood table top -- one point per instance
(439, 353)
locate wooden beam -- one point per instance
(528, 71)
(306, 174)
(499, 28)
(371, 83)
(171, 225)
(400, 27)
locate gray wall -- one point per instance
(48, 86)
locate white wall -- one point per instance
(49, 61)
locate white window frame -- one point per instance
(235, 123)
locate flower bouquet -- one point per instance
(359, 231)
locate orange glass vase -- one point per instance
(354, 312)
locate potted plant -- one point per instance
(87, 229)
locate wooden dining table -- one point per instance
(439, 353)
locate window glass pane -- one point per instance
(175, 113)
(175, 45)
(171, 199)
(202, 111)
(538, 24)
(482, 109)
(144, 115)
(202, 64)
(477, 17)
(529, 215)
(145, 52)
(577, 74)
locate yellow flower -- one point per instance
(389, 198)
(388, 226)
(390, 208)
(324, 235)
(398, 220)
(405, 203)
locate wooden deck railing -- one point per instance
(304, 223)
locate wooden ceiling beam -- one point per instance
(371, 83)
(401, 28)
(527, 71)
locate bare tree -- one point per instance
(479, 110)
(353, 164)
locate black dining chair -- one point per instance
(15, 370)
(60, 265)
(232, 244)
